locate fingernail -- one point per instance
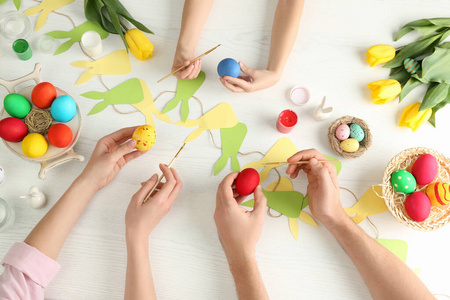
(154, 177)
(132, 143)
(313, 162)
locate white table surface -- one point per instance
(185, 253)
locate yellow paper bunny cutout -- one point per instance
(46, 6)
(369, 204)
(281, 151)
(147, 107)
(221, 116)
(116, 63)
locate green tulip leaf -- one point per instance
(401, 76)
(436, 67)
(396, 70)
(414, 25)
(424, 26)
(420, 47)
(445, 45)
(411, 84)
(438, 106)
(436, 93)
(116, 22)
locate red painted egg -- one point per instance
(60, 135)
(418, 206)
(43, 95)
(425, 169)
(247, 181)
(13, 130)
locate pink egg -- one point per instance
(425, 169)
(418, 206)
(343, 132)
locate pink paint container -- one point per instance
(286, 121)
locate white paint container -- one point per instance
(92, 43)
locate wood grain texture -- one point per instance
(186, 255)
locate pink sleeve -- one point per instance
(27, 273)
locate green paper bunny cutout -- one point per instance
(186, 88)
(128, 92)
(75, 35)
(232, 139)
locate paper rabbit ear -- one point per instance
(99, 107)
(220, 164)
(94, 95)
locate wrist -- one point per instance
(240, 257)
(136, 242)
(86, 184)
(339, 224)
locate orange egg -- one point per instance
(43, 95)
(60, 135)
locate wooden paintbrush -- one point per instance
(162, 175)
(195, 59)
(295, 163)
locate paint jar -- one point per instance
(91, 42)
(6, 215)
(286, 121)
(22, 49)
(47, 44)
(15, 25)
(299, 95)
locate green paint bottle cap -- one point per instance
(22, 49)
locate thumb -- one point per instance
(146, 188)
(245, 69)
(260, 202)
(124, 149)
(319, 170)
(187, 63)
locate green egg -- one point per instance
(356, 132)
(403, 182)
(16, 105)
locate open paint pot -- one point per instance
(286, 121)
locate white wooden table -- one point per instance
(185, 253)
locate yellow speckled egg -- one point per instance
(350, 145)
(34, 145)
(145, 137)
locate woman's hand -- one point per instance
(253, 81)
(111, 153)
(191, 70)
(141, 218)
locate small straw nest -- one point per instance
(38, 121)
(439, 215)
(335, 143)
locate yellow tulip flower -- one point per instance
(384, 91)
(380, 54)
(413, 118)
(139, 44)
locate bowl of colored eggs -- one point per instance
(349, 137)
(416, 188)
(40, 123)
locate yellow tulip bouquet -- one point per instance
(110, 15)
(425, 61)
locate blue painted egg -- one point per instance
(411, 65)
(228, 67)
(63, 108)
(356, 132)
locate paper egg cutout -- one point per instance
(43, 95)
(356, 132)
(145, 137)
(12, 130)
(438, 193)
(229, 67)
(60, 135)
(350, 145)
(411, 65)
(425, 169)
(63, 108)
(16, 105)
(246, 181)
(403, 182)
(342, 132)
(34, 145)
(2, 174)
(418, 206)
